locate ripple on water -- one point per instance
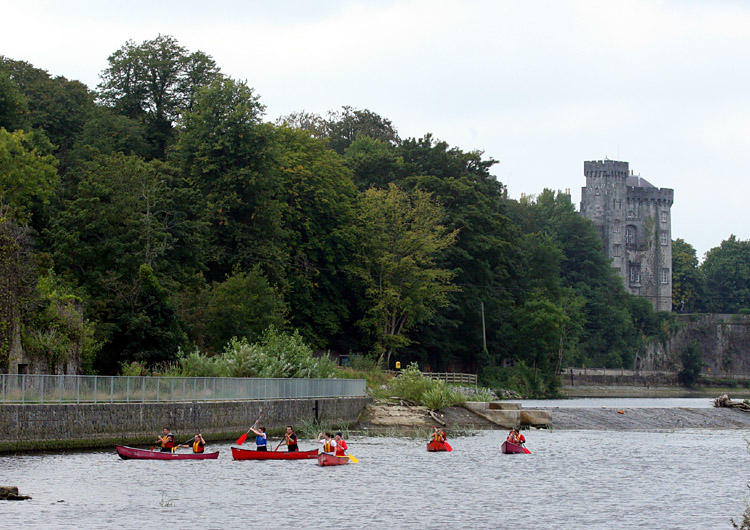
(572, 479)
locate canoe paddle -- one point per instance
(241, 439)
(352, 458)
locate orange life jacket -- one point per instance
(327, 447)
(167, 442)
(198, 446)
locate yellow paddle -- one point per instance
(353, 459)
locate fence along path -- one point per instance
(25, 388)
(448, 377)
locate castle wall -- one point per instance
(634, 223)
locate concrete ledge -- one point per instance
(71, 426)
(504, 405)
(537, 418)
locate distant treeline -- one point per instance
(161, 214)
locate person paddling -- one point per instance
(290, 439)
(341, 446)
(329, 445)
(438, 435)
(260, 438)
(198, 445)
(166, 441)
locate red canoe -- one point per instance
(249, 454)
(127, 453)
(436, 446)
(511, 448)
(330, 460)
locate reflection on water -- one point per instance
(572, 479)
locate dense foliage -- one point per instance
(161, 213)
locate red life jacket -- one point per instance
(198, 446)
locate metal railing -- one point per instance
(37, 389)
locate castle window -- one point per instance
(635, 273)
(616, 228)
(664, 238)
(617, 251)
(630, 239)
(664, 217)
(665, 275)
(597, 190)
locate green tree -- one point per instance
(692, 364)
(121, 214)
(374, 162)
(687, 282)
(243, 305)
(318, 226)
(227, 153)
(485, 256)
(346, 125)
(28, 177)
(57, 105)
(402, 237)
(17, 277)
(155, 81)
(726, 270)
(58, 334)
(14, 108)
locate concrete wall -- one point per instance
(67, 426)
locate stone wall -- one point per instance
(27, 427)
(723, 340)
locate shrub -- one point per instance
(277, 354)
(441, 396)
(692, 363)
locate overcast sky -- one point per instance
(539, 86)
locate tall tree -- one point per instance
(402, 237)
(124, 213)
(318, 225)
(155, 81)
(727, 273)
(687, 282)
(228, 154)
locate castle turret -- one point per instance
(633, 218)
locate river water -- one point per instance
(572, 479)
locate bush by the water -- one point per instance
(277, 354)
(413, 386)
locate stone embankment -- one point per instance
(84, 426)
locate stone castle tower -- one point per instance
(634, 220)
